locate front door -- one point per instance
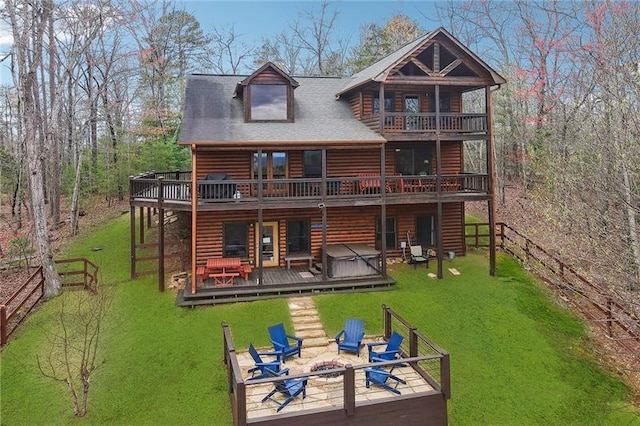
(268, 238)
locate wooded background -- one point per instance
(97, 96)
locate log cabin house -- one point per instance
(314, 182)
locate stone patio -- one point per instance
(317, 348)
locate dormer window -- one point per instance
(267, 95)
(268, 102)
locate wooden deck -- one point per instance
(340, 395)
(279, 282)
(149, 191)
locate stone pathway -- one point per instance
(306, 322)
(318, 348)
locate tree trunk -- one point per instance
(75, 199)
(28, 44)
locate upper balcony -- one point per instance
(175, 190)
(405, 123)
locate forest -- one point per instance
(96, 96)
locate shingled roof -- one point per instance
(213, 116)
(214, 112)
(378, 71)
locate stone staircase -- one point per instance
(306, 322)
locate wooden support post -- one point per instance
(148, 218)
(194, 217)
(439, 237)
(132, 229)
(141, 225)
(160, 234)
(492, 182)
(349, 390)
(260, 219)
(383, 212)
(325, 273)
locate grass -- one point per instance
(516, 358)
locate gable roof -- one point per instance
(379, 71)
(212, 116)
(242, 84)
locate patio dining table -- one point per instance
(223, 270)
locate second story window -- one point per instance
(269, 102)
(312, 164)
(388, 103)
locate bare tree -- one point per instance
(74, 345)
(229, 53)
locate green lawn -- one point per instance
(516, 358)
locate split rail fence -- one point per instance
(597, 305)
(73, 273)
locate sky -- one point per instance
(254, 20)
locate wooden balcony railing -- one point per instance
(146, 187)
(403, 122)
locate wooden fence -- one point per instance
(14, 310)
(598, 305)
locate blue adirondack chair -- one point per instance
(379, 377)
(280, 340)
(290, 388)
(262, 366)
(391, 352)
(350, 338)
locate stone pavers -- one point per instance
(322, 392)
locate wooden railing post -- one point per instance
(349, 390)
(445, 375)
(84, 273)
(413, 342)
(3, 325)
(386, 320)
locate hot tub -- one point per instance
(352, 260)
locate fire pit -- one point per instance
(326, 366)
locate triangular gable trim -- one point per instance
(425, 41)
(240, 86)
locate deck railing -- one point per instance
(347, 382)
(408, 122)
(152, 187)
